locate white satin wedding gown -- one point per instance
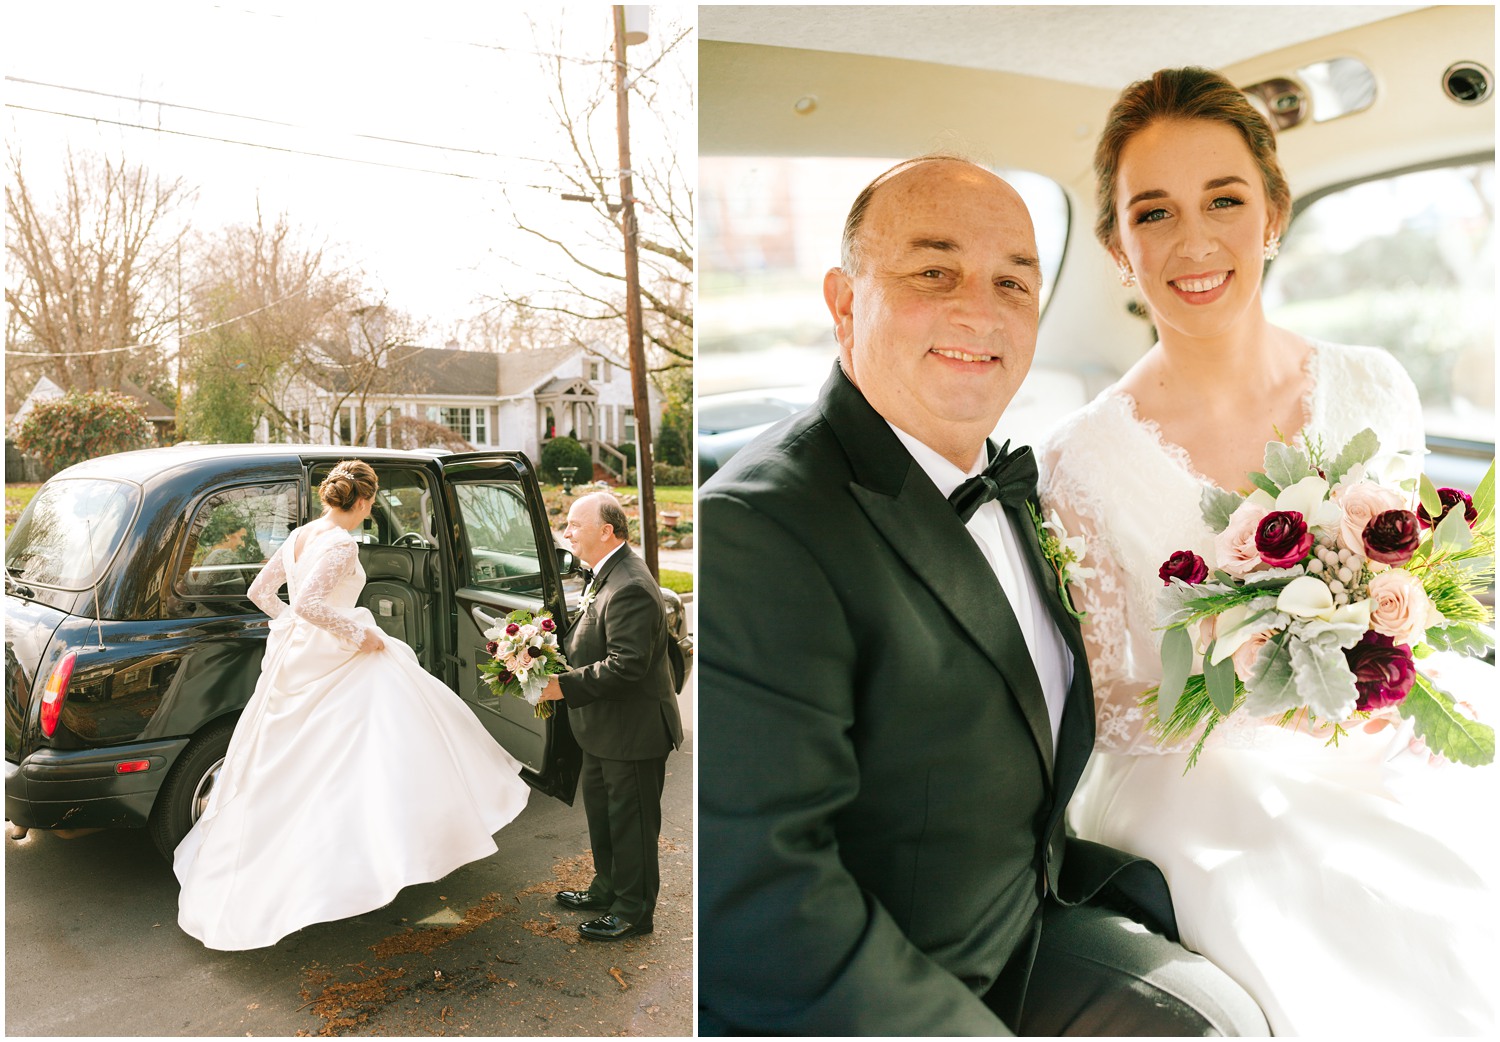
(349, 775)
(1350, 890)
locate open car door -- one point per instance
(505, 558)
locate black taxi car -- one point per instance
(131, 647)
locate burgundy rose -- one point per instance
(513, 628)
(1282, 538)
(492, 647)
(534, 652)
(1450, 497)
(1383, 671)
(1392, 537)
(1184, 565)
(548, 625)
(505, 676)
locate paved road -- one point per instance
(92, 946)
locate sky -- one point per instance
(330, 78)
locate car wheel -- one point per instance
(185, 792)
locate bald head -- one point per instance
(849, 255)
(596, 525)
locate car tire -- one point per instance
(180, 801)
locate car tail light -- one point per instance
(132, 766)
(57, 692)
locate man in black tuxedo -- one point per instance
(622, 706)
(895, 701)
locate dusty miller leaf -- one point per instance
(1285, 465)
(1324, 683)
(1216, 505)
(1359, 448)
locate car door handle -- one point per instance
(485, 621)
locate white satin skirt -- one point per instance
(349, 776)
(1351, 891)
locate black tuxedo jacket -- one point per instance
(621, 701)
(880, 806)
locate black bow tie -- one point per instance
(1010, 477)
(587, 573)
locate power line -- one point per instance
(180, 337)
(279, 148)
(261, 119)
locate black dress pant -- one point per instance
(622, 802)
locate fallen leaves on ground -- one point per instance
(614, 971)
(347, 1004)
(428, 938)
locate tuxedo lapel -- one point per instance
(1076, 735)
(922, 528)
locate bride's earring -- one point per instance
(1273, 246)
(1127, 277)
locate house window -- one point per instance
(346, 425)
(595, 366)
(470, 424)
(629, 424)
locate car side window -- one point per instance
(403, 515)
(1404, 262)
(502, 547)
(233, 533)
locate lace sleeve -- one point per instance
(333, 567)
(1123, 661)
(262, 591)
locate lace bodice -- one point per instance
(323, 583)
(1134, 496)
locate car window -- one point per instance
(231, 536)
(70, 531)
(769, 228)
(403, 514)
(1405, 262)
(502, 547)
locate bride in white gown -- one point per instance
(1350, 890)
(352, 772)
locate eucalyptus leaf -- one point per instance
(1484, 495)
(1445, 730)
(1324, 683)
(1217, 505)
(1428, 494)
(1265, 484)
(1176, 664)
(1452, 532)
(1286, 465)
(1220, 679)
(1359, 449)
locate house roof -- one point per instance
(446, 371)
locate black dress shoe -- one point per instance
(581, 901)
(611, 928)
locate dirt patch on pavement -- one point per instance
(425, 940)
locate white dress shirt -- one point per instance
(997, 539)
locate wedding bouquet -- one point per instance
(1329, 585)
(525, 655)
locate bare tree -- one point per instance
(91, 275)
(591, 290)
(364, 368)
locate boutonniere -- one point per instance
(1063, 552)
(588, 597)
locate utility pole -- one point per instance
(639, 381)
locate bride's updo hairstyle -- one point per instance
(1183, 94)
(347, 483)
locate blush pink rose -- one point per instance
(1235, 546)
(1244, 655)
(1361, 502)
(1399, 607)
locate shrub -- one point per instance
(566, 452)
(63, 431)
(666, 474)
